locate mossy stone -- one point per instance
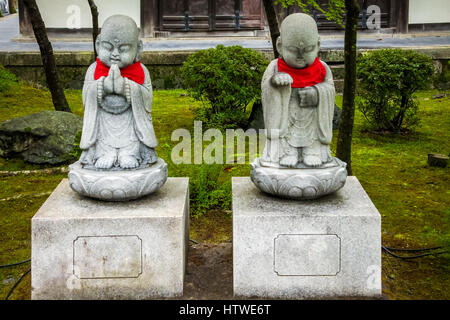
(44, 137)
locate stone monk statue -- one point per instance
(117, 97)
(118, 160)
(298, 98)
(298, 105)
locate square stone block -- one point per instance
(89, 249)
(324, 248)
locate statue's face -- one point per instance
(119, 47)
(297, 50)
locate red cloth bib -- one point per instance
(134, 72)
(305, 77)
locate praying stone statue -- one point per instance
(118, 160)
(298, 104)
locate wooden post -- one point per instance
(400, 15)
(272, 20)
(149, 18)
(24, 21)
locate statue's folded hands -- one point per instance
(308, 97)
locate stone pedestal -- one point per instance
(324, 248)
(89, 249)
(117, 185)
(304, 184)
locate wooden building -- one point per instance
(203, 18)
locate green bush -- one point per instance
(76, 150)
(389, 79)
(226, 80)
(227, 119)
(206, 190)
(12, 8)
(8, 81)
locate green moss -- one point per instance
(31, 100)
(413, 198)
(15, 227)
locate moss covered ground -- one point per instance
(413, 198)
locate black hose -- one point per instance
(14, 264)
(412, 257)
(413, 250)
(17, 283)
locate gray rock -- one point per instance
(336, 117)
(256, 119)
(46, 137)
(439, 96)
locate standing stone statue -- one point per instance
(298, 104)
(118, 160)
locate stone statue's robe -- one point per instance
(286, 122)
(118, 130)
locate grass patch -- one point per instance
(413, 198)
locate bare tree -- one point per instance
(94, 13)
(344, 141)
(271, 16)
(47, 56)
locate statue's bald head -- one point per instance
(121, 25)
(118, 42)
(299, 42)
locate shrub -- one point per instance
(12, 8)
(8, 81)
(228, 119)
(389, 79)
(207, 191)
(76, 150)
(226, 80)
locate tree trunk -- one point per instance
(48, 59)
(344, 142)
(271, 16)
(94, 12)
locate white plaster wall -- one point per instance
(60, 14)
(429, 11)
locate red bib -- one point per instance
(305, 77)
(134, 72)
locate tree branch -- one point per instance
(95, 32)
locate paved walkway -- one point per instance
(9, 30)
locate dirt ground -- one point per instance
(209, 273)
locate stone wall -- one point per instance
(164, 66)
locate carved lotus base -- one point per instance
(117, 185)
(305, 183)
